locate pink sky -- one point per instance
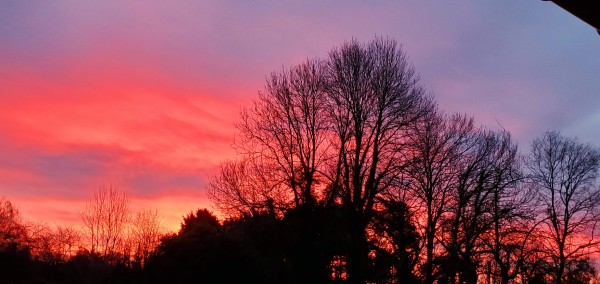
(144, 95)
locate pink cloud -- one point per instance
(144, 97)
(142, 132)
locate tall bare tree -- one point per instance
(435, 145)
(486, 170)
(512, 211)
(563, 171)
(373, 96)
(329, 132)
(105, 218)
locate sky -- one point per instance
(144, 95)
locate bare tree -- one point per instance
(373, 96)
(512, 210)
(487, 175)
(435, 144)
(12, 229)
(40, 240)
(563, 171)
(464, 219)
(246, 188)
(511, 242)
(286, 131)
(67, 241)
(52, 245)
(327, 132)
(105, 218)
(146, 232)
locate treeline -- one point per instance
(389, 189)
(348, 172)
(112, 246)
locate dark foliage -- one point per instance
(398, 258)
(14, 261)
(202, 251)
(301, 247)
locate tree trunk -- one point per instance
(428, 271)
(356, 264)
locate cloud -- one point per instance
(145, 96)
(60, 139)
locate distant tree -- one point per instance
(67, 241)
(42, 243)
(145, 235)
(200, 222)
(12, 229)
(105, 218)
(184, 257)
(315, 243)
(538, 271)
(87, 267)
(563, 172)
(15, 258)
(270, 245)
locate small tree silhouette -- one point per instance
(105, 218)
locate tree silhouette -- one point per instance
(12, 229)
(145, 235)
(486, 169)
(15, 257)
(327, 133)
(286, 131)
(435, 145)
(512, 210)
(397, 243)
(105, 218)
(247, 188)
(374, 96)
(205, 251)
(563, 171)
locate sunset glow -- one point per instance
(145, 96)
